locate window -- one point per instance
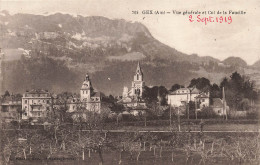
(4, 109)
(25, 101)
(25, 114)
(83, 92)
(137, 76)
(47, 101)
(202, 100)
(25, 107)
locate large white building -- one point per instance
(36, 104)
(182, 96)
(202, 100)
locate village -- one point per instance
(136, 103)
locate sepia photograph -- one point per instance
(129, 82)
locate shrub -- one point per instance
(253, 114)
(234, 114)
(206, 113)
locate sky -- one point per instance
(240, 38)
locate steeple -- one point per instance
(86, 88)
(87, 83)
(138, 83)
(138, 69)
(138, 74)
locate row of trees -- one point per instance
(239, 90)
(67, 142)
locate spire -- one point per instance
(87, 77)
(138, 69)
(138, 65)
(86, 83)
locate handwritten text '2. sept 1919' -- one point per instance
(208, 19)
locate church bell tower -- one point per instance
(86, 89)
(138, 83)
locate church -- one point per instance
(90, 99)
(133, 97)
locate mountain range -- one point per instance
(54, 52)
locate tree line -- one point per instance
(240, 91)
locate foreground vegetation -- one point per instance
(63, 144)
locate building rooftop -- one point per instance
(37, 91)
(74, 100)
(97, 94)
(191, 90)
(11, 100)
(202, 95)
(195, 90)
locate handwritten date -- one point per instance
(206, 20)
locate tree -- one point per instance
(94, 140)
(200, 83)
(224, 83)
(192, 109)
(215, 92)
(175, 87)
(244, 104)
(155, 94)
(237, 89)
(206, 113)
(6, 94)
(236, 81)
(62, 111)
(19, 112)
(117, 108)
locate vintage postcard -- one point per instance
(151, 82)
